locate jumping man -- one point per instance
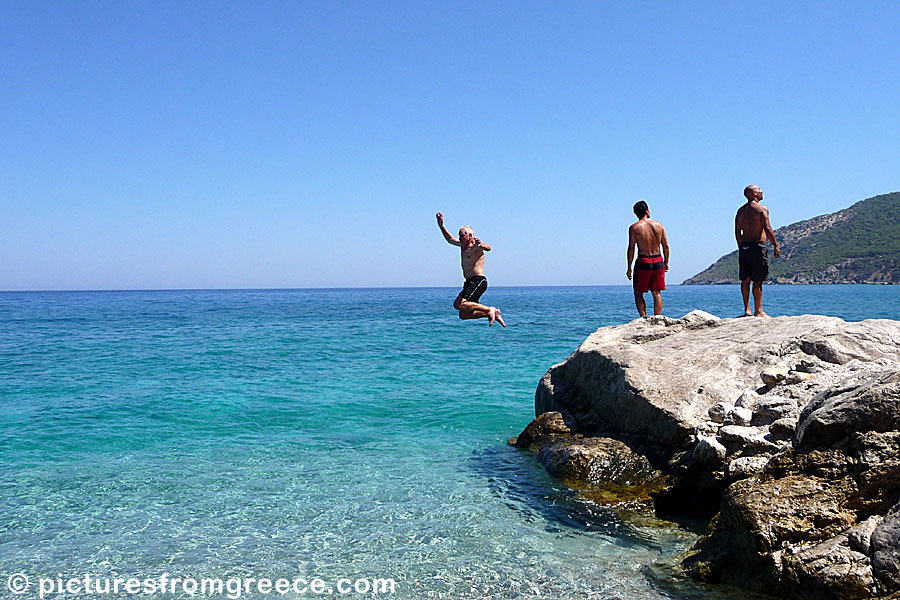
(472, 252)
(650, 268)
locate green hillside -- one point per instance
(860, 244)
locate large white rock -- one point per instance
(660, 377)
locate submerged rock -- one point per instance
(608, 471)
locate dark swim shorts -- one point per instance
(473, 288)
(649, 274)
(753, 258)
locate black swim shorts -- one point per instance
(753, 258)
(473, 288)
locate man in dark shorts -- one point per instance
(472, 252)
(752, 230)
(650, 267)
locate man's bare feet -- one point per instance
(747, 314)
(499, 318)
(492, 316)
(762, 314)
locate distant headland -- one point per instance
(860, 244)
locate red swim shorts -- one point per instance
(649, 274)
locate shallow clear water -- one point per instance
(328, 433)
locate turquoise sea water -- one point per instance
(319, 433)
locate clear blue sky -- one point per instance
(307, 144)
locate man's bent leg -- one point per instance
(473, 310)
(474, 306)
(757, 299)
(640, 304)
(657, 302)
(469, 312)
(745, 292)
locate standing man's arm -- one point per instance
(631, 244)
(664, 242)
(450, 239)
(770, 232)
(737, 228)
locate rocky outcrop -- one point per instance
(787, 430)
(805, 523)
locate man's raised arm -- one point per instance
(770, 232)
(482, 245)
(450, 239)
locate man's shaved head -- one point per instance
(466, 236)
(748, 191)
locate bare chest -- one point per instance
(471, 257)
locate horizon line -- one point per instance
(275, 289)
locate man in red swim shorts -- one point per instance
(650, 268)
